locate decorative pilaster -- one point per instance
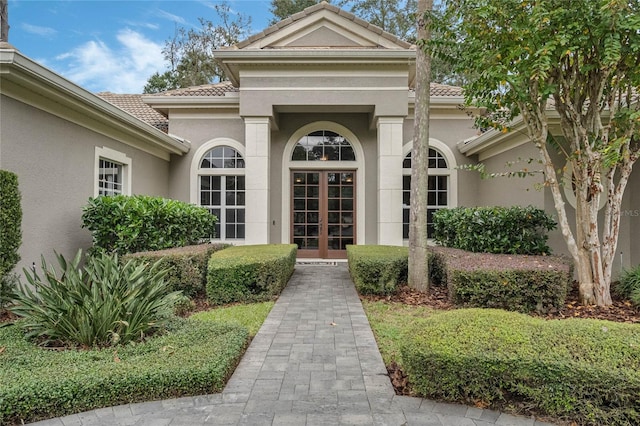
(390, 140)
(257, 152)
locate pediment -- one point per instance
(323, 26)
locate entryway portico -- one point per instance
(323, 63)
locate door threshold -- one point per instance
(320, 262)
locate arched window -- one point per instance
(323, 145)
(438, 196)
(222, 190)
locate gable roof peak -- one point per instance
(313, 10)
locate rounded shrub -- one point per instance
(128, 224)
(582, 370)
(506, 230)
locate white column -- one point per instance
(390, 180)
(257, 151)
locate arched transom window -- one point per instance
(323, 145)
(222, 190)
(438, 189)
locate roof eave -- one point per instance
(18, 68)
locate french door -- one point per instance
(323, 212)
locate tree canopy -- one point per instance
(282, 9)
(190, 51)
(574, 63)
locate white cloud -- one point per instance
(124, 69)
(170, 16)
(38, 30)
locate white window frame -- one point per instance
(108, 154)
(451, 171)
(196, 172)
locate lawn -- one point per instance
(197, 356)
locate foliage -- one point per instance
(8, 285)
(511, 282)
(98, 305)
(529, 57)
(195, 358)
(186, 266)
(126, 224)
(512, 230)
(629, 285)
(190, 53)
(377, 269)
(10, 221)
(582, 370)
(250, 316)
(393, 16)
(282, 9)
(249, 273)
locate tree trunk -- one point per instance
(4, 21)
(418, 247)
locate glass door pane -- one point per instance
(306, 211)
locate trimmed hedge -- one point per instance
(512, 282)
(583, 370)
(249, 273)
(187, 266)
(195, 358)
(129, 224)
(10, 222)
(378, 269)
(509, 230)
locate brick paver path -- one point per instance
(313, 362)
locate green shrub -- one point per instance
(378, 269)
(512, 282)
(125, 224)
(10, 222)
(249, 273)
(628, 286)
(509, 230)
(8, 285)
(582, 370)
(187, 266)
(194, 358)
(101, 304)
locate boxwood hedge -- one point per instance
(378, 269)
(187, 266)
(196, 357)
(582, 370)
(249, 273)
(512, 282)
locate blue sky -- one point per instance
(110, 45)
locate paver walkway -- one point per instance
(313, 362)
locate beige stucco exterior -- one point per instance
(322, 69)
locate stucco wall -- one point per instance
(198, 128)
(511, 191)
(54, 161)
(633, 217)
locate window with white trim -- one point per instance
(438, 196)
(112, 172)
(222, 190)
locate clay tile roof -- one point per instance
(216, 89)
(134, 105)
(315, 8)
(438, 89)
